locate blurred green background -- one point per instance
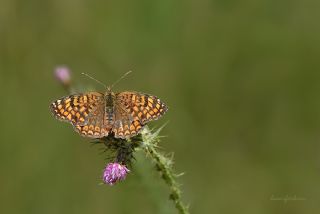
(241, 78)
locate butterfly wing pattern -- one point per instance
(84, 111)
(138, 109)
(87, 113)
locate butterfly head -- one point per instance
(108, 88)
(108, 92)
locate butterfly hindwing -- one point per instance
(124, 126)
(95, 126)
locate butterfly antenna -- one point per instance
(123, 76)
(87, 75)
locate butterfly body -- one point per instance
(97, 115)
(109, 104)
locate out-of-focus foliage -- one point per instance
(241, 78)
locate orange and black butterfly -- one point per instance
(98, 115)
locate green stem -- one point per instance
(163, 165)
(168, 177)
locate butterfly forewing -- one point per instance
(142, 107)
(84, 111)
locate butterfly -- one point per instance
(97, 115)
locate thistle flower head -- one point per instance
(114, 172)
(62, 74)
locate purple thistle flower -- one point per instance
(114, 172)
(62, 74)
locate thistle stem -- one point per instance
(168, 177)
(163, 165)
